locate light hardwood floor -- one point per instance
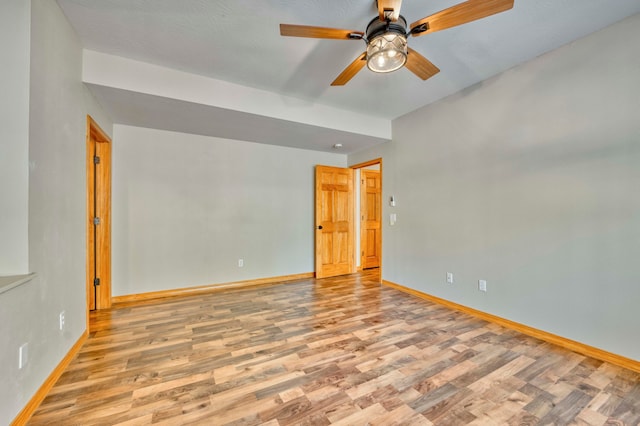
(342, 351)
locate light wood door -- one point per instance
(370, 218)
(98, 217)
(334, 221)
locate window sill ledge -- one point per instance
(10, 282)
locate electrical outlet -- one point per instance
(450, 277)
(240, 263)
(61, 321)
(23, 355)
(482, 285)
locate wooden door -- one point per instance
(334, 221)
(98, 217)
(370, 218)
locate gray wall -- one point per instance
(187, 207)
(59, 103)
(530, 181)
(14, 136)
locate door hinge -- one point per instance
(96, 159)
(96, 221)
(96, 281)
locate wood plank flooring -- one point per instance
(341, 351)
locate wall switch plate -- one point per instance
(23, 355)
(482, 285)
(240, 263)
(392, 219)
(61, 321)
(450, 277)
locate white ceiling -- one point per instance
(238, 41)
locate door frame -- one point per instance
(98, 142)
(375, 161)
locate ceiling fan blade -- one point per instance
(319, 32)
(459, 14)
(351, 70)
(389, 9)
(419, 65)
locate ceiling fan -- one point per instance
(386, 36)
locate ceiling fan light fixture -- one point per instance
(386, 36)
(387, 52)
(386, 45)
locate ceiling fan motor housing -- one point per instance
(386, 44)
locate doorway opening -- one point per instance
(98, 164)
(368, 214)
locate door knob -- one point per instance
(319, 226)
